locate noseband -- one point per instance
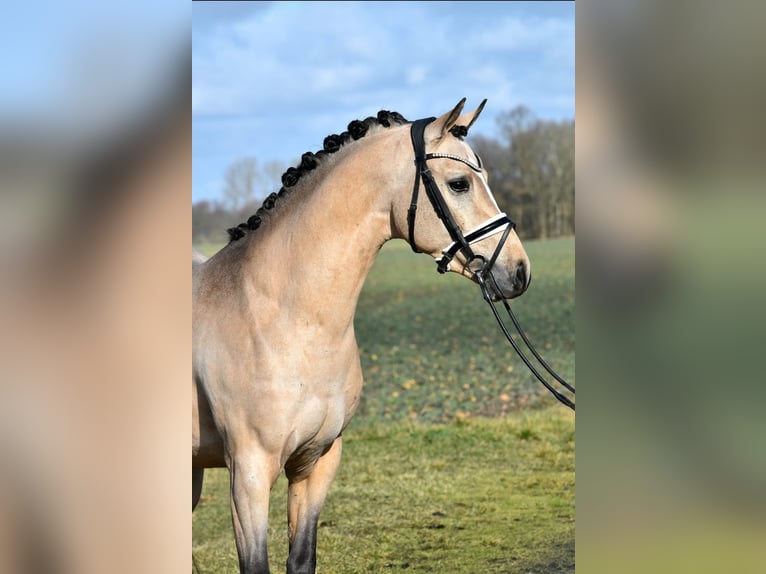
(461, 243)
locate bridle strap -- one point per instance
(563, 399)
(460, 243)
(499, 223)
(417, 134)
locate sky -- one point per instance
(82, 65)
(272, 79)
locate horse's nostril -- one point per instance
(520, 278)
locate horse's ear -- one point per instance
(441, 125)
(468, 120)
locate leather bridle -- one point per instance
(461, 243)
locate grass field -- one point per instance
(457, 461)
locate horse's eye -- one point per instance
(459, 185)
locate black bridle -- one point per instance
(461, 243)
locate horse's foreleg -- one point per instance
(252, 475)
(197, 474)
(305, 500)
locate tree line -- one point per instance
(530, 168)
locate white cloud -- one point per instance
(516, 34)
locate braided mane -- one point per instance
(309, 161)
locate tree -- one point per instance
(541, 171)
(241, 181)
(516, 121)
(209, 221)
(511, 197)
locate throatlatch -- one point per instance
(461, 243)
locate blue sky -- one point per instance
(76, 66)
(272, 79)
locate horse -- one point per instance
(276, 368)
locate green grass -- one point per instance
(489, 496)
(432, 351)
(457, 461)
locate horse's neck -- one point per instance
(312, 260)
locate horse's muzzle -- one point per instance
(503, 284)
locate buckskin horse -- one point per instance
(276, 368)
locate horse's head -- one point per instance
(459, 223)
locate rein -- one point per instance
(461, 243)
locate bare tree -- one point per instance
(541, 170)
(241, 183)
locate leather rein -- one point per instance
(461, 243)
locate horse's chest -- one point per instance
(317, 424)
(324, 408)
(329, 381)
(324, 412)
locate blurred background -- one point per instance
(95, 184)
(95, 179)
(670, 205)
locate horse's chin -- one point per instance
(496, 294)
(505, 287)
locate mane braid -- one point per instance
(309, 161)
